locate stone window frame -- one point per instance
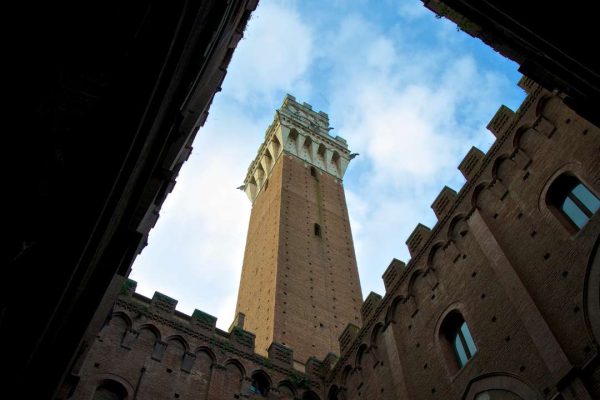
(562, 188)
(446, 347)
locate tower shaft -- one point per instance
(299, 284)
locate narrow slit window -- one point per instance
(317, 230)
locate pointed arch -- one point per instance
(232, 362)
(413, 278)
(375, 332)
(179, 339)
(207, 351)
(433, 252)
(360, 354)
(457, 227)
(391, 311)
(151, 328)
(345, 375)
(286, 388)
(476, 193)
(541, 104)
(124, 316)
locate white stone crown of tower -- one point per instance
(298, 130)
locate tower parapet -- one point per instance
(300, 131)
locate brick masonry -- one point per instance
(525, 282)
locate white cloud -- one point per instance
(412, 116)
(411, 110)
(275, 53)
(412, 9)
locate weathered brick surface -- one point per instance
(526, 284)
(522, 281)
(196, 363)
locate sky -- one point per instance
(409, 92)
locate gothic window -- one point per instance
(457, 339)
(572, 202)
(260, 384)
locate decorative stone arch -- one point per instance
(376, 335)
(152, 328)
(235, 363)
(335, 160)
(500, 381)
(233, 366)
(360, 356)
(503, 169)
(286, 385)
(458, 227)
(433, 251)
(591, 290)
(124, 316)
(98, 380)
(391, 311)
(542, 103)
(345, 375)
(276, 146)
(208, 351)
(377, 330)
(476, 193)
(412, 279)
(180, 339)
(526, 139)
(519, 134)
(268, 160)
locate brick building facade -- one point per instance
(500, 299)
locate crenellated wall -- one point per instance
(151, 351)
(500, 258)
(297, 130)
(501, 264)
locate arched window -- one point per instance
(572, 202)
(457, 339)
(260, 384)
(110, 390)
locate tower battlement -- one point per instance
(302, 132)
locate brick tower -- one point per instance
(299, 284)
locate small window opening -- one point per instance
(260, 385)
(572, 202)
(317, 230)
(459, 341)
(313, 171)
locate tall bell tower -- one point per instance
(299, 284)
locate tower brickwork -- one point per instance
(299, 283)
